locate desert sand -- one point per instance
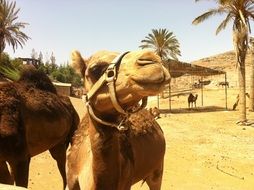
(205, 148)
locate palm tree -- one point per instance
(10, 30)
(240, 12)
(163, 42)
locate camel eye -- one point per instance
(97, 70)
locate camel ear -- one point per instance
(78, 63)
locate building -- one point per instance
(63, 88)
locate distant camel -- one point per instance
(33, 119)
(201, 83)
(237, 100)
(226, 84)
(192, 99)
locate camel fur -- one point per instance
(102, 157)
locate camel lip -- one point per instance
(148, 81)
(143, 62)
(160, 81)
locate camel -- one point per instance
(226, 84)
(237, 100)
(192, 99)
(118, 143)
(33, 119)
(155, 112)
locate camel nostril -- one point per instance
(145, 62)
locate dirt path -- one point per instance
(205, 150)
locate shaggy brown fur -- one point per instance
(33, 118)
(36, 78)
(140, 124)
(9, 109)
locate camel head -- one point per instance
(138, 74)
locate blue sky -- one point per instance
(60, 26)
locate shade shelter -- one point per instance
(178, 69)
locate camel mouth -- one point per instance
(151, 74)
(145, 61)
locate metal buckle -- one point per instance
(122, 125)
(122, 128)
(110, 73)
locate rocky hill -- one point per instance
(226, 62)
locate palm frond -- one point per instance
(207, 15)
(10, 73)
(162, 42)
(223, 23)
(10, 30)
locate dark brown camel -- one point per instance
(113, 147)
(33, 119)
(192, 100)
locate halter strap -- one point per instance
(108, 76)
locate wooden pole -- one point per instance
(226, 92)
(202, 102)
(169, 96)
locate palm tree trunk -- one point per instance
(2, 44)
(240, 40)
(242, 90)
(251, 106)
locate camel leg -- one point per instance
(154, 180)
(59, 154)
(20, 170)
(235, 104)
(5, 176)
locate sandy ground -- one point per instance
(205, 148)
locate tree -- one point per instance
(240, 12)
(66, 74)
(40, 58)
(10, 30)
(163, 42)
(52, 59)
(53, 65)
(34, 54)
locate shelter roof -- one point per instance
(178, 68)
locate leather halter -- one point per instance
(110, 77)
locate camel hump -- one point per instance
(191, 96)
(78, 63)
(9, 110)
(37, 78)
